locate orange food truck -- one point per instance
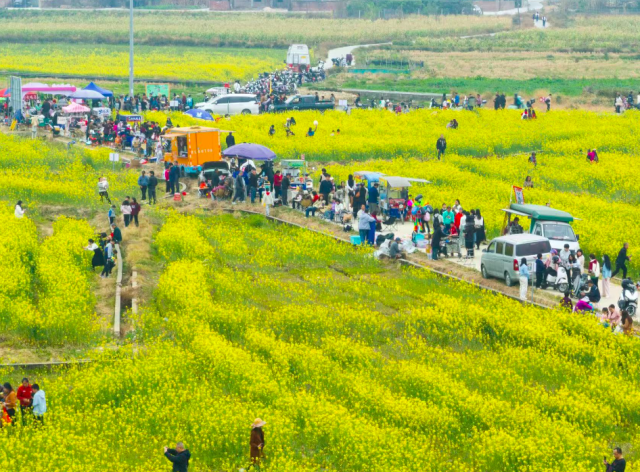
(192, 147)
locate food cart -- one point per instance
(296, 169)
(391, 193)
(191, 147)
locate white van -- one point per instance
(298, 57)
(232, 104)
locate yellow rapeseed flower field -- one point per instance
(485, 157)
(352, 365)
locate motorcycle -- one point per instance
(559, 282)
(628, 297)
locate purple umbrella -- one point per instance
(250, 151)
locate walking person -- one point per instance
(39, 404)
(135, 210)
(524, 278)
(152, 185)
(621, 261)
(179, 457)
(125, 209)
(256, 443)
(606, 276)
(98, 257)
(111, 214)
(267, 201)
(441, 146)
(25, 393)
(103, 190)
(143, 183)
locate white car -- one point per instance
(231, 104)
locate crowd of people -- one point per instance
(31, 400)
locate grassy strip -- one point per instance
(568, 87)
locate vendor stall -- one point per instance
(394, 192)
(296, 169)
(369, 177)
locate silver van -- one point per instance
(502, 257)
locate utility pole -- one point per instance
(131, 49)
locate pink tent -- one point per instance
(75, 108)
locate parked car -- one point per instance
(301, 102)
(232, 104)
(501, 259)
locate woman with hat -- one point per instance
(257, 441)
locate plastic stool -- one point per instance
(177, 197)
(419, 237)
(355, 240)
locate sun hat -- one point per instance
(258, 423)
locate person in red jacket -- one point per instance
(277, 183)
(25, 396)
(135, 210)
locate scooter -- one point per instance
(559, 282)
(629, 297)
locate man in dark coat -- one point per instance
(284, 188)
(325, 189)
(441, 146)
(438, 234)
(621, 261)
(151, 187)
(231, 140)
(174, 178)
(179, 457)
(117, 234)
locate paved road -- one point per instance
(405, 230)
(532, 5)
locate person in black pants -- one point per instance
(284, 188)
(153, 183)
(621, 261)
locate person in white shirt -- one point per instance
(19, 211)
(565, 253)
(236, 87)
(39, 404)
(103, 190)
(125, 209)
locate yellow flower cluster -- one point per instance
(352, 365)
(155, 63)
(46, 297)
(43, 173)
(485, 157)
